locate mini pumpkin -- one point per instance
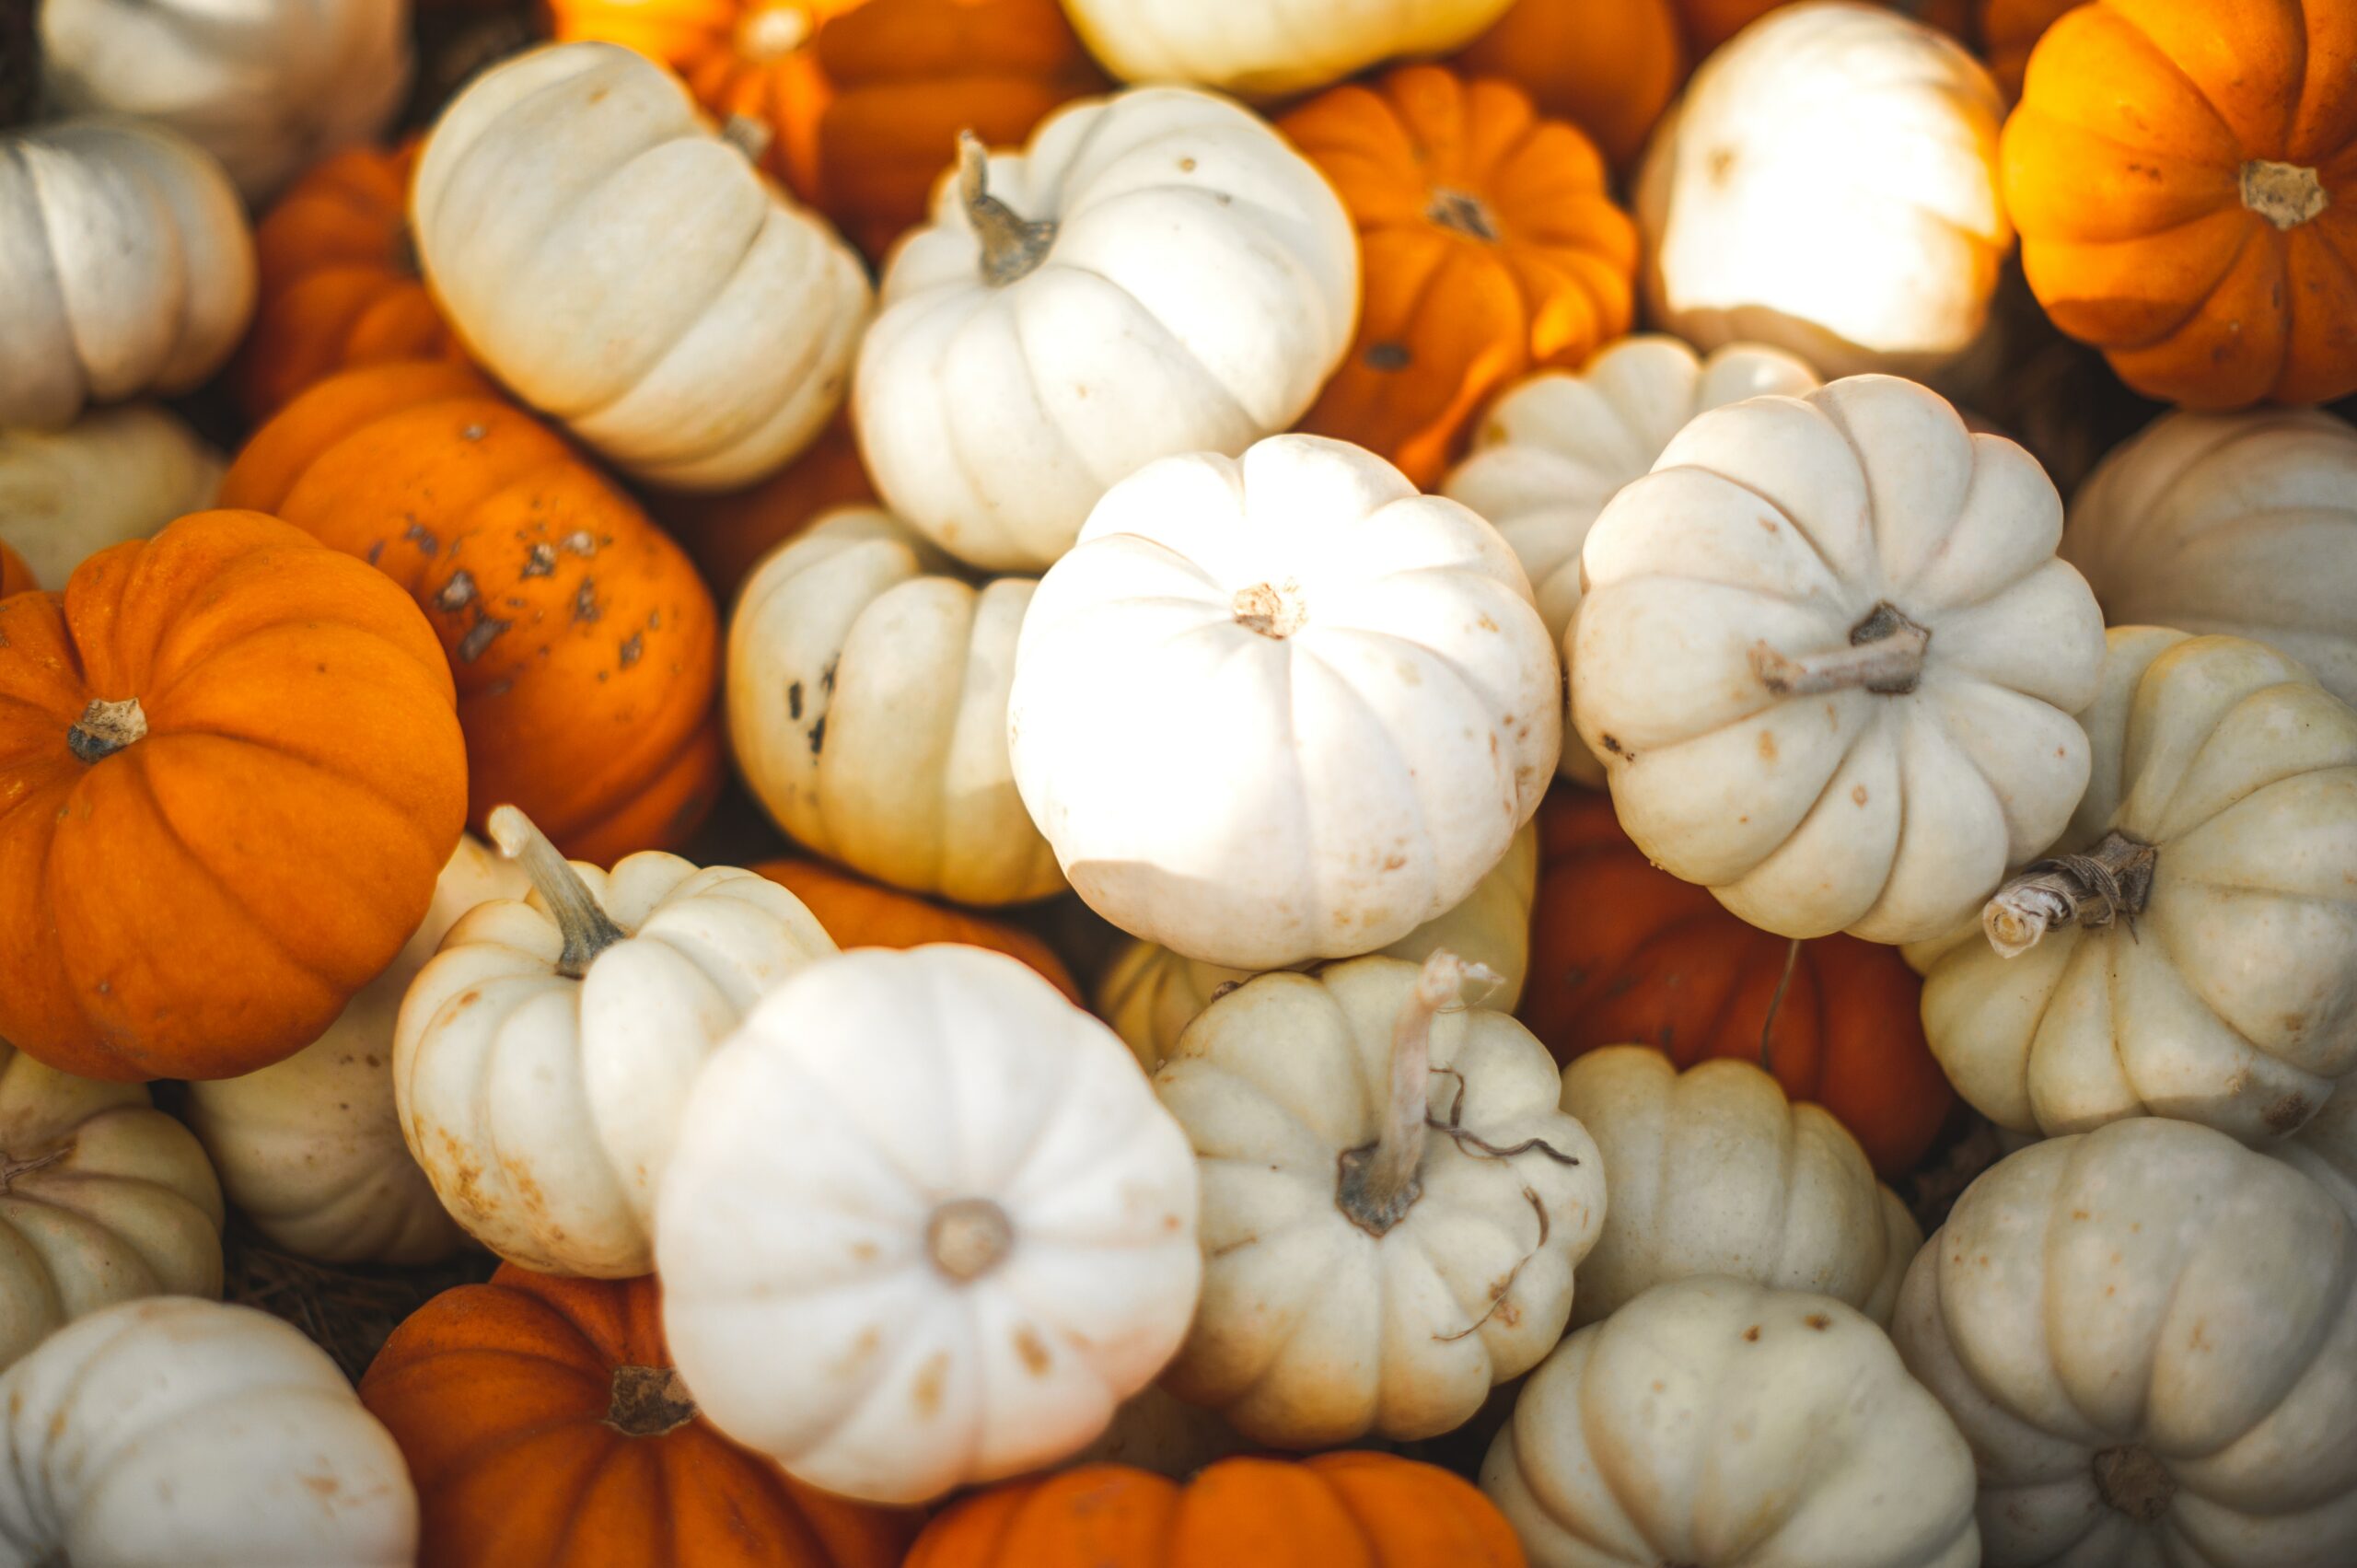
(1269, 48)
(729, 535)
(858, 914)
(114, 474)
(233, 769)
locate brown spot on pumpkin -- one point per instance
(421, 537)
(320, 1485)
(863, 1251)
(1767, 745)
(457, 593)
(1818, 1321)
(633, 648)
(1386, 356)
(1858, 793)
(2286, 1115)
(480, 635)
(1751, 1335)
(584, 608)
(926, 1393)
(539, 562)
(1034, 1354)
(819, 735)
(1721, 165)
(1612, 744)
(1186, 166)
(793, 701)
(375, 554)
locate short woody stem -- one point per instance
(749, 137)
(1378, 1183)
(2283, 193)
(106, 728)
(1013, 245)
(967, 1237)
(1885, 657)
(589, 930)
(2112, 881)
(648, 1401)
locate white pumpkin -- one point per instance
(268, 86)
(310, 1150)
(1392, 1204)
(1718, 1424)
(1281, 708)
(174, 1433)
(2243, 524)
(1553, 450)
(1829, 660)
(629, 273)
(114, 474)
(1270, 48)
(1157, 273)
(102, 1199)
(1713, 1171)
(926, 1226)
(866, 697)
(1829, 184)
(125, 262)
(2148, 1334)
(1150, 994)
(2190, 949)
(541, 1062)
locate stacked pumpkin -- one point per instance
(1022, 746)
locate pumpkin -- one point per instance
(1488, 242)
(112, 475)
(629, 273)
(1150, 993)
(129, 268)
(866, 699)
(1620, 951)
(1828, 185)
(2241, 524)
(1354, 670)
(2009, 31)
(1829, 660)
(1712, 1171)
(2186, 188)
(16, 578)
(339, 286)
(950, 1189)
(1349, 1510)
(230, 769)
(858, 914)
(728, 535)
(268, 88)
(1156, 272)
(584, 649)
(1392, 1204)
(542, 1061)
(859, 100)
(102, 1199)
(2188, 947)
(1267, 49)
(174, 1433)
(1557, 446)
(1720, 1423)
(311, 1149)
(2147, 1333)
(545, 1428)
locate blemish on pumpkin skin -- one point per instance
(1034, 1354)
(456, 594)
(1766, 746)
(926, 1393)
(633, 648)
(585, 604)
(1751, 1335)
(480, 635)
(539, 562)
(2286, 1114)
(1818, 1321)
(793, 701)
(424, 537)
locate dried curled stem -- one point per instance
(1885, 657)
(2112, 881)
(106, 728)
(1377, 1184)
(1012, 244)
(588, 929)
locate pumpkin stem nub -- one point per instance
(649, 1401)
(1273, 609)
(1464, 212)
(2283, 193)
(106, 728)
(1885, 657)
(1013, 245)
(2130, 1481)
(588, 929)
(2112, 881)
(1378, 1183)
(747, 135)
(967, 1237)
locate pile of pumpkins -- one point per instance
(1549, 819)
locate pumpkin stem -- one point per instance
(1776, 1006)
(1273, 609)
(2283, 193)
(649, 1401)
(588, 929)
(11, 1168)
(967, 1237)
(2130, 1481)
(1012, 245)
(1378, 1183)
(1885, 657)
(106, 728)
(748, 136)
(1464, 212)
(2112, 881)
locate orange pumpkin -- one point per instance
(2009, 31)
(338, 282)
(728, 535)
(2184, 181)
(1345, 1510)
(230, 771)
(583, 644)
(858, 914)
(1488, 244)
(861, 100)
(1622, 953)
(16, 578)
(545, 1428)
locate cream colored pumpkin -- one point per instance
(2148, 1334)
(1718, 1424)
(866, 697)
(1156, 272)
(1283, 707)
(926, 1226)
(2243, 524)
(1270, 48)
(125, 262)
(629, 273)
(1392, 1204)
(1829, 660)
(1150, 994)
(1829, 184)
(174, 1433)
(268, 86)
(541, 1062)
(1712, 1171)
(2220, 985)
(112, 475)
(310, 1150)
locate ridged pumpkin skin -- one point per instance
(728, 535)
(541, 1434)
(1622, 952)
(2184, 181)
(1345, 1510)
(1488, 244)
(585, 647)
(204, 899)
(858, 914)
